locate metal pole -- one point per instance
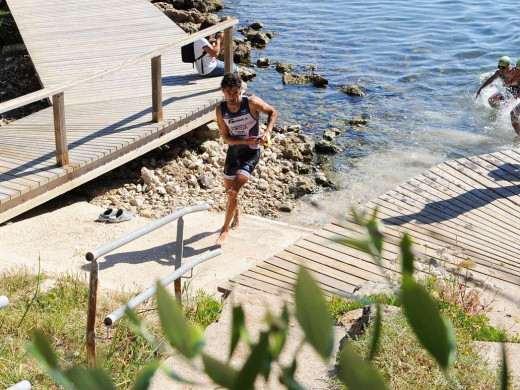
(134, 302)
(102, 250)
(91, 316)
(179, 248)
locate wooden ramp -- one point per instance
(471, 205)
(108, 119)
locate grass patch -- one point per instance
(405, 365)
(59, 310)
(339, 306)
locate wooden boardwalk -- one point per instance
(108, 119)
(471, 205)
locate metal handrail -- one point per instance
(55, 89)
(175, 277)
(103, 250)
(134, 302)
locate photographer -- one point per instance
(206, 53)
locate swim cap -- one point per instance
(504, 60)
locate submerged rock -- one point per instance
(352, 90)
(284, 68)
(304, 79)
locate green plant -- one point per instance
(432, 331)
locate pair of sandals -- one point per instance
(115, 215)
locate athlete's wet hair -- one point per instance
(231, 80)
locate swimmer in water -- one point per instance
(505, 73)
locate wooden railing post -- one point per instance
(228, 49)
(157, 111)
(91, 315)
(60, 131)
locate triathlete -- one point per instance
(237, 119)
(504, 72)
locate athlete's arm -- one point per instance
(257, 106)
(228, 138)
(488, 81)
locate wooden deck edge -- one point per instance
(44, 193)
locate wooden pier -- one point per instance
(470, 207)
(118, 86)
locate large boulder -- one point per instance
(242, 51)
(257, 38)
(327, 147)
(246, 74)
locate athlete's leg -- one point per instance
(235, 223)
(514, 118)
(231, 205)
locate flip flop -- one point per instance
(107, 214)
(120, 216)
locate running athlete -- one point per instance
(237, 119)
(504, 73)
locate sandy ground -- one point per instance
(62, 237)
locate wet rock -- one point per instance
(303, 79)
(246, 74)
(262, 62)
(353, 90)
(357, 121)
(323, 181)
(256, 26)
(302, 187)
(329, 135)
(257, 38)
(270, 34)
(242, 51)
(203, 6)
(327, 147)
(284, 68)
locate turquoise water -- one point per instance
(420, 63)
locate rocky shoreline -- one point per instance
(188, 171)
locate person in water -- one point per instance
(237, 118)
(505, 73)
(515, 112)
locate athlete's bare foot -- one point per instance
(235, 222)
(222, 238)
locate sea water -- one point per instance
(420, 64)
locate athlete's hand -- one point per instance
(255, 141)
